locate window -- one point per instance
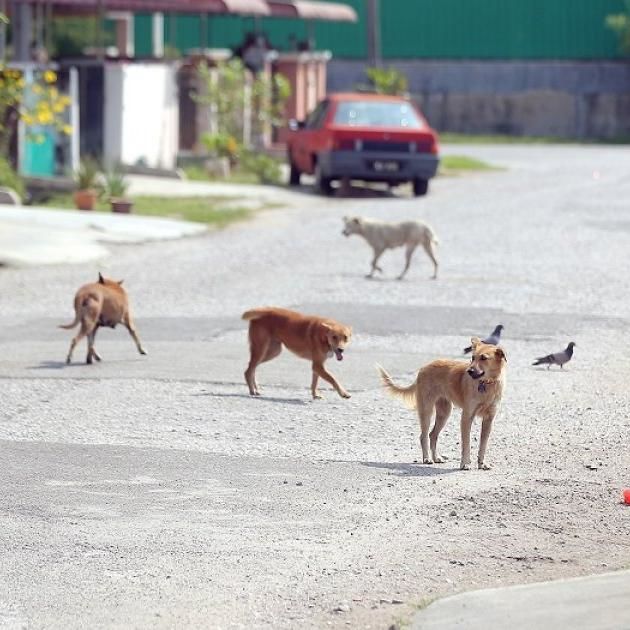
(375, 114)
(315, 119)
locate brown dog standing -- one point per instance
(475, 387)
(102, 303)
(312, 338)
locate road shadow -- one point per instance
(353, 191)
(263, 398)
(60, 365)
(53, 365)
(412, 470)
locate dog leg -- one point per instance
(259, 347)
(428, 248)
(443, 410)
(377, 254)
(314, 392)
(425, 413)
(408, 254)
(320, 370)
(486, 428)
(90, 341)
(129, 325)
(82, 333)
(465, 427)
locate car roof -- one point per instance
(366, 96)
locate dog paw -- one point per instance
(427, 460)
(440, 459)
(484, 466)
(344, 394)
(318, 396)
(143, 352)
(464, 466)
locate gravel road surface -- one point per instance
(153, 492)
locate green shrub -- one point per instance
(9, 178)
(388, 81)
(266, 168)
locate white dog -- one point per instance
(382, 235)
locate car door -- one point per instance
(307, 142)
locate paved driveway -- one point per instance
(152, 492)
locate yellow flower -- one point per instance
(58, 107)
(44, 117)
(65, 100)
(21, 83)
(50, 76)
(28, 119)
(67, 129)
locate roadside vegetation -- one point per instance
(215, 211)
(451, 165)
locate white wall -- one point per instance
(141, 115)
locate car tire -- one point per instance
(420, 187)
(323, 184)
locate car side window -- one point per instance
(315, 119)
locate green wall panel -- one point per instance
(434, 29)
(498, 29)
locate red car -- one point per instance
(370, 137)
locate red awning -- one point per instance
(239, 7)
(308, 10)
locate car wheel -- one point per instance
(420, 187)
(323, 184)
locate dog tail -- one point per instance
(77, 319)
(406, 394)
(255, 313)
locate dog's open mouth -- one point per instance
(475, 375)
(339, 354)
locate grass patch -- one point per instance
(216, 211)
(465, 138)
(199, 174)
(460, 164)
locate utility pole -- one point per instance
(373, 32)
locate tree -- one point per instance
(620, 24)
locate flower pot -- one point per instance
(123, 206)
(85, 199)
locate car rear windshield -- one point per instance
(376, 114)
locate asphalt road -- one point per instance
(153, 492)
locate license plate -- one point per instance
(385, 166)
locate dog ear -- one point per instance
(120, 282)
(324, 330)
(500, 352)
(101, 280)
(475, 341)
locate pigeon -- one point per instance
(491, 340)
(558, 358)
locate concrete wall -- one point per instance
(542, 98)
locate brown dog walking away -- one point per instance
(475, 387)
(310, 337)
(102, 303)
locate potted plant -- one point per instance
(86, 195)
(115, 188)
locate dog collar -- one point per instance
(483, 384)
